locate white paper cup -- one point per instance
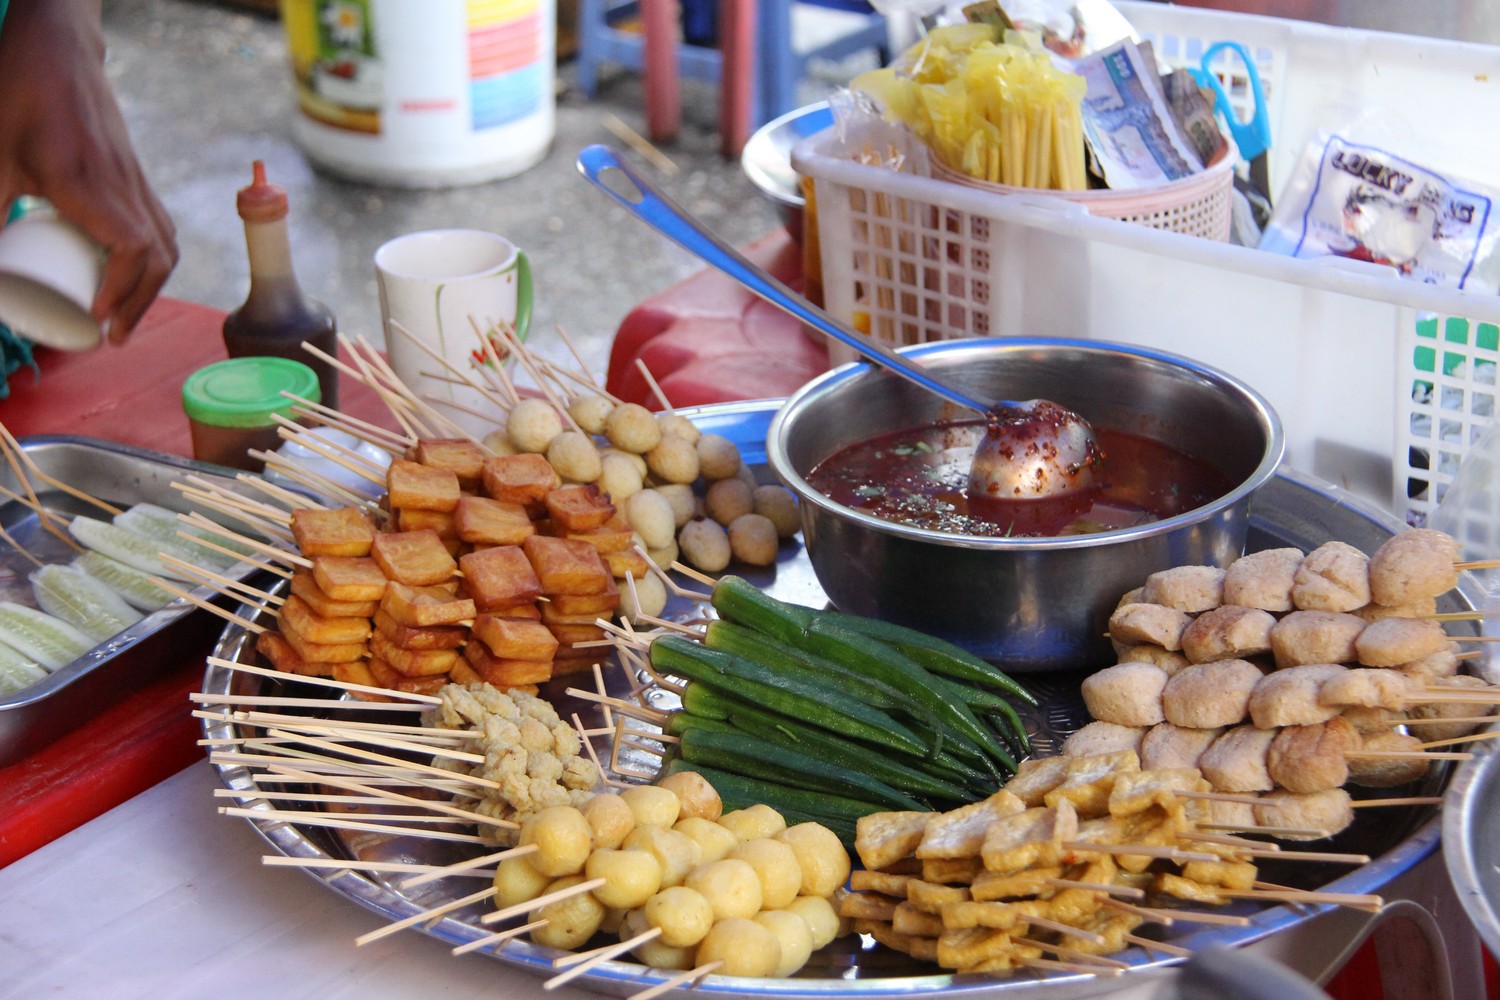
(49, 273)
(437, 287)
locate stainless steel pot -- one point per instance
(1029, 604)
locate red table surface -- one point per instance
(131, 395)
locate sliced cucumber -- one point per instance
(162, 524)
(17, 671)
(87, 604)
(129, 547)
(50, 641)
(127, 581)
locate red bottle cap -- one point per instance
(261, 201)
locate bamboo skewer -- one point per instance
(630, 137)
(1124, 891)
(206, 698)
(223, 584)
(210, 606)
(334, 453)
(329, 682)
(446, 808)
(13, 457)
(283, 466)
(547, 897)
(1141, 850)
(1104, 962)
(463, 377)
(343, 864)
(262, 719)
(197, 520)
(371, 755)
(461, 867)
(694, 976)
(1488, 734)
(39, 473)
(328, 820)
(1306, 897)
(380, 437)
(498, 938)
(1411, 800)
(1150, 945)
(661, 397)
(1407, 755)
(425, 915)
(1167, 917)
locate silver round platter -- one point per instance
(1292, 510)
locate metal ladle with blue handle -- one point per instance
(1031, 450)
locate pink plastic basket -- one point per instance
(1199, 205)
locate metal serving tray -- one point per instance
(121, 475)
(1291, 510)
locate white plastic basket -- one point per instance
(1337, 345)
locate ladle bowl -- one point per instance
(1032, 450)
(1030, 604)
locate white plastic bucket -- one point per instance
(422, 93)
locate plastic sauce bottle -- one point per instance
(276, 316)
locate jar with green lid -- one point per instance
(231, 406)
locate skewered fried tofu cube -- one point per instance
(305, 586)
(551, 616)
(523, 479)
(463, 458)
(420, 636)
(412, 662)
(421, 487)
(867, 906)
(578, 508)
(315, 628)
(575, 635)
(425, 606)
(1388, 772)
(500, 577)
(1137, 791)
(323, 652)
(275, 648)
(565, 566)
(952, 871)
(1035, 777)
(482, 521)
(442, 523)
(359, 672)
(1391, 642)
(614, 535)
(505, 673)
(1367, 687)
(347, 578)
(883, 838)
(990, 886)
(515, 638)
(415, 558)
(960, 832)
(931, 897)
(343, 531)
(909, 920)
(1027, 838)
(389, 677)
(593, 605)
(1325, 812)
(627, 563)
(968, 947)
(885, 883)
(519, 611)
(1089, 781)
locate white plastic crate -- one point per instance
(1337, 345)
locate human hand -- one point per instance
(62, 138)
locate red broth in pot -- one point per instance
(917, 477)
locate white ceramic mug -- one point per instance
(438, 287)
(49, 274)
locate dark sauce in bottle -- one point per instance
(276, 316)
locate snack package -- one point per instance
(1360, 200)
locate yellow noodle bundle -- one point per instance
(999, 111)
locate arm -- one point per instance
(62, 137)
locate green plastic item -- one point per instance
(245, 392)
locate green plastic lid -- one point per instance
(245, 392)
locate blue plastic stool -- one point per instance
(779, 66)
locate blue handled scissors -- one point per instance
(1253, 137)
